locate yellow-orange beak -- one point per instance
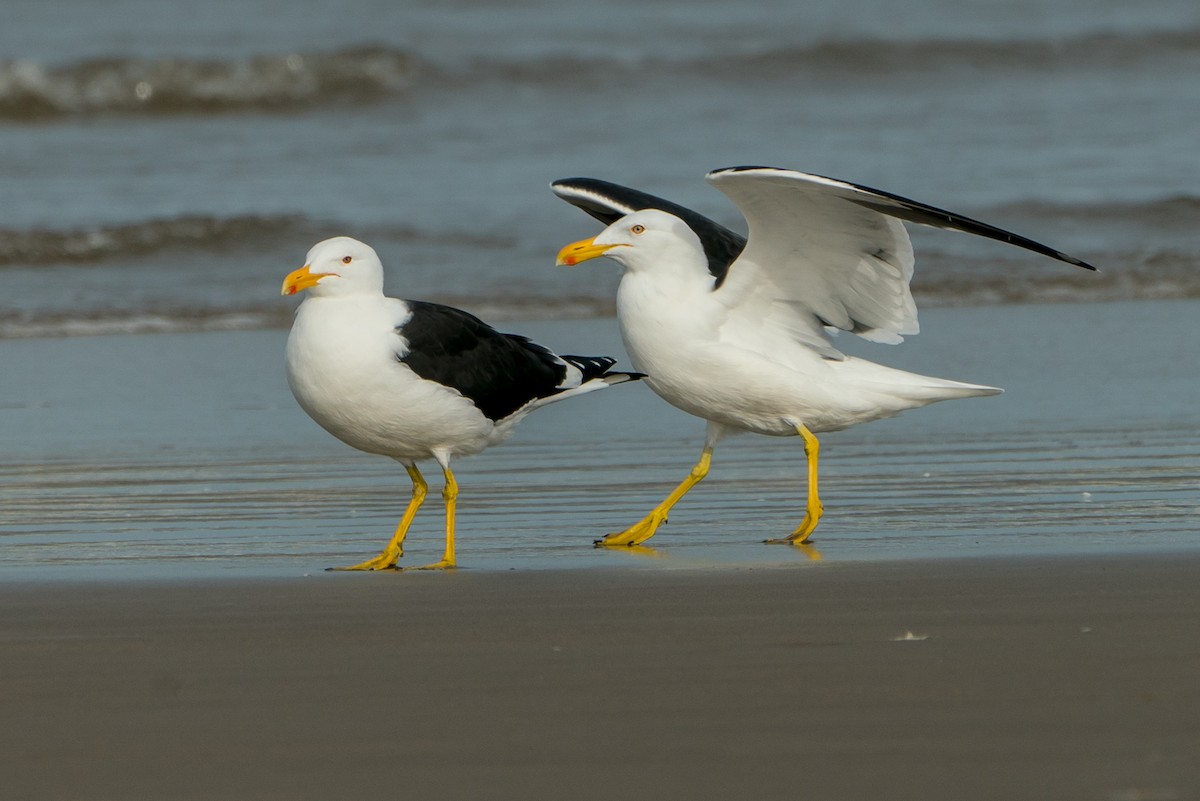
(300, 280)
(583, 250)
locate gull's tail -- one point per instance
(596, 367)
(587, 374)
(896, 390)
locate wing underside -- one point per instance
(840, 250)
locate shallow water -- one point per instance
(536, 505)
(184, 456)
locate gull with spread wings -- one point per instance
(736, 330)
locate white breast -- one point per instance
(343, 370)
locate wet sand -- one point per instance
(981, 679)
(185, 456)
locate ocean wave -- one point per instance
(833, 59)
(1177, 212)
(1143, 274)
(141, 321)
(1176, 215)
(1145, 250)
(942, 279)
(272, 315)
(131, 240)
(30, 90)
(856, 57)
(199, 234)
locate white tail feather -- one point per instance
(913, 387)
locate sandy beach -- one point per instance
(994, 679)
(1005, 604)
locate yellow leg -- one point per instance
(395, 548)
(644, 530)
(450, 496)
(814, 508)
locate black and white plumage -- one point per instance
(736, 329)
(500, 373)
(414, 380)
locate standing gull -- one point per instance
(736, 330)
(414, 380)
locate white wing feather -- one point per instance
(814, 250)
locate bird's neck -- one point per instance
(656, 309)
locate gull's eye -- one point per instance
(346, 259)
(637, 229)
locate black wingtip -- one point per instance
(592, 366)
(743, 168)
(569, 181)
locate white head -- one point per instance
(338, 266)
(644, 240)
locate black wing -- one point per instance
(913, 211)
(609, 202)
(498, 372)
